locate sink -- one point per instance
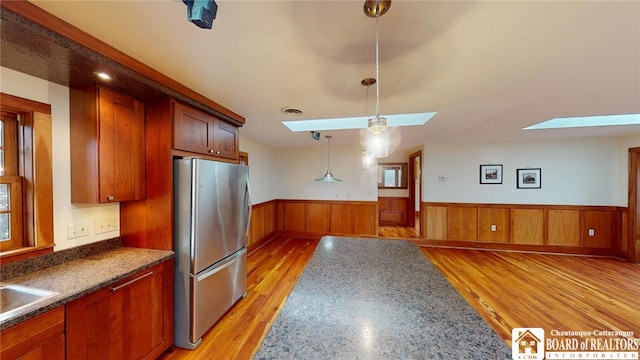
(15, 297)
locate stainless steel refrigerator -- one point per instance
(212, 214)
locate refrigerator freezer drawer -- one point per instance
(215, 291)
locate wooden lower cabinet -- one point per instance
(41, 337)
(131, 319)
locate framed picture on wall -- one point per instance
(490, 174)
(529, 178)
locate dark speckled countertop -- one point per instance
(76, 277)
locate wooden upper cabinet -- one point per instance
(107, 146)
(226, 142)
(199, 132)
(192, 129)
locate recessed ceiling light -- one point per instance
(587, 121)
(356, 122)
(103, 76)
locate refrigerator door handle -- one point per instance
(228, 262)
(249, 208)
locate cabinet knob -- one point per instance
(110, 197)
(211, 151)
(218, 152)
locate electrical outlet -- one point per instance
(77, 230)
(592, 232)
(494, 228)
(103, 226)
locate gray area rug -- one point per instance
(377, 299)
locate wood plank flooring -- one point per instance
(561, 292)
(395, 232)
(507, 289)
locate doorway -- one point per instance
(633, 237)
(415, 191)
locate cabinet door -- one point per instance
(121, 153)
(226, 142)
(41, 337)
(107, 146)
(193, 129)
(123, 321)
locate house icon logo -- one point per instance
(527, 343)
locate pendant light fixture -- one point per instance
(377, 131)
(328, 176)
(368, 161)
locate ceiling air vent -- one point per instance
(291, 111)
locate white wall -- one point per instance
(297, 169)
(29, 87)
(262, 177)
(587, 171)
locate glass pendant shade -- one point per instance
(328, 177)
(368, 162)
(378, 137)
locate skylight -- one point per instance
(356, 122)
(587, 121)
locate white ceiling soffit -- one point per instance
(359, 122)
(587, 121)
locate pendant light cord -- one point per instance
(328, 154)
(377, 75)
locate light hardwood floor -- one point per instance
(507, 289)
(554, 292)
(395, 232)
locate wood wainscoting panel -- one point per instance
(601, 223)
(295, 216)
(322, 217)
(256, 227)
(462, 223)
(317, 217)
(365, 219)
(564, 227)
(269, 218)
(624, 235)
(263, 223)
(341, 221)
(530, 227)
(493, 225)
(527, 226)
(393, 211)
(436, 222)
(280, 216)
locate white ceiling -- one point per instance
(488, 68)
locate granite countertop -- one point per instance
(78, 277)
